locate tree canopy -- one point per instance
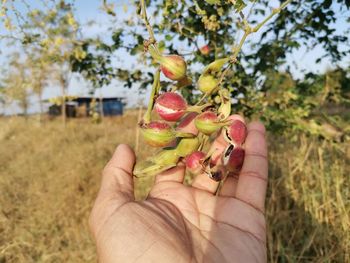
(261, 83)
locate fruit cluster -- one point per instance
(185, 132)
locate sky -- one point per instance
(91, 10)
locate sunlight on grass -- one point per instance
(49, 177)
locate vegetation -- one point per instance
(50, 174)
(186, 27)
(49, 179)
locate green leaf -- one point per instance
(169, 37)
(239, 5)
(212, 2)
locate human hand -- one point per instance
(179, 223)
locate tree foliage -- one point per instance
(15, 83)
(49, 37)
(261, 84)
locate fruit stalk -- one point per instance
(155, 90)
(147, 24)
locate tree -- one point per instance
(16, 84)
(180, 25)
(183, 27)
(39, 72)
(58, 32)
(2, 99)
(49, 37)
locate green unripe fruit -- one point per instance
(215, 66)
(166, 157)
(187, 146)
(207, 122)
(173, 67)
(161, 161)
(207, 83)
(157, 134)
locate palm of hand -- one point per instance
(178, 223)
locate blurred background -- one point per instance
(75, 80)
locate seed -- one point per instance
(233, 158)
(236, 133)
(193, 162)
(170, 106)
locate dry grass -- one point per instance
(49, 177)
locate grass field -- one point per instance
(49, 176)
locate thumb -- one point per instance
(117, 181)
(116, 187)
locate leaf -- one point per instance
(212, 2)
(327, 4)
(169, 37)
(215, 66)
(239, 5)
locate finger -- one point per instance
(170, 178)
(252, 182)
(229, 187)
(116, 187)
(117, 178)
(202, 181)
(175, 174)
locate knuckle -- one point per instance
(257, 126)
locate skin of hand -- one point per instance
(179, 223)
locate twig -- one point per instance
(249, 30)
(233, 59)
(154, 92)
(147, 24)
(274, 12)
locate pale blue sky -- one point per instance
(91, 10)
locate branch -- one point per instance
(240, 45)
(249, 30)
(147, 24)
(274, 12)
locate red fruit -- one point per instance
(187, 124)
(173, 67)
(170, 106)
(233, 158)
(157, 134)
(205, 50)
(193, 162)
(236, 132)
